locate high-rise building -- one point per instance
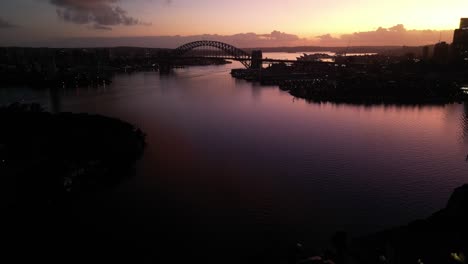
(441, 52)
(460, 41)
(464, 23)
(425, 53)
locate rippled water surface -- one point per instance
(247, 170)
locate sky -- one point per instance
(246, 23)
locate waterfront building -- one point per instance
(425, 53)
(441, 52)
(460, 41)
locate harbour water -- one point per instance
(247, 171)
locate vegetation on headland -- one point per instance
(48, 157)
(441, 238)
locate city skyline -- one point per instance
(169, 23)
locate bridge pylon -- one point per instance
(257, 60)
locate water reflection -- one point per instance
(464, 122)
(238, 167)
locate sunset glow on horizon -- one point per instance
(56, 19)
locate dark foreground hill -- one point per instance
(47, 157)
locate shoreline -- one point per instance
(366, 81)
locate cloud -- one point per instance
(5, 24)
(394, 36)
(242, 40)
(280, 36)
(101, 14)
(99, 27)
(273, 39)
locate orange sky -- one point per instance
(34, 20)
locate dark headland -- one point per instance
(50, 157)
(48, 162)
(440, 238)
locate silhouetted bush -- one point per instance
(441, 238)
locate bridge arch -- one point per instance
(231, 51)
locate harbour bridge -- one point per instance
(216, 49)
(227, 51)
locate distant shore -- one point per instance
(369, 79)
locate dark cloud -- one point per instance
(397, 35)
(5, 24)
(101, 14)
(99, 27)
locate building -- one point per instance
(464, 23)
(441, 52)
(460, 41)
(425, 53)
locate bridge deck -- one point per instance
(265, 60)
